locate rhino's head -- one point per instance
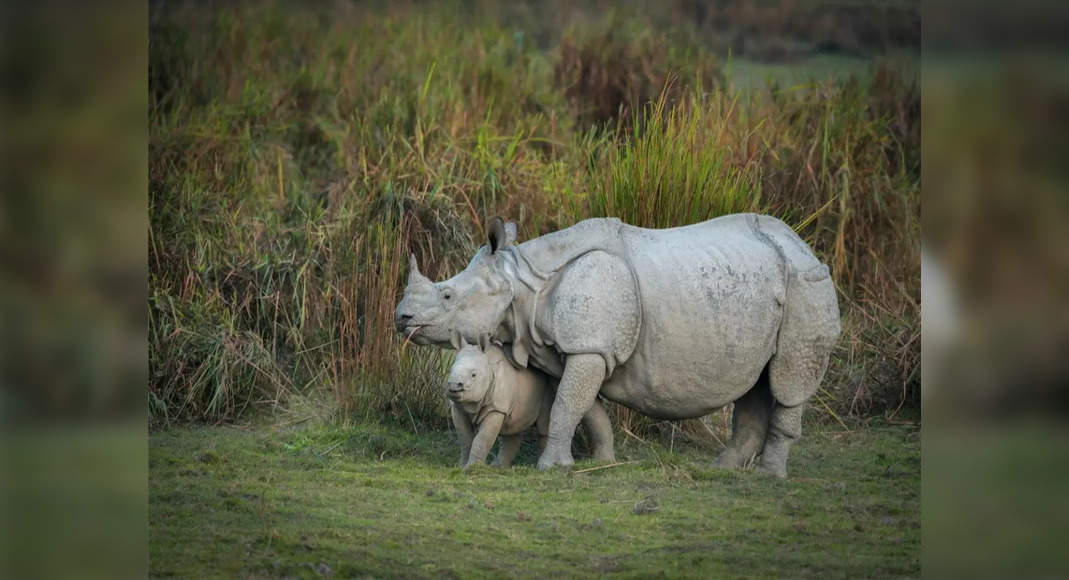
(470, 377)
(471, 304)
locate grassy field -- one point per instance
(298, 152)
(314, 499)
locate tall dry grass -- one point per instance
(297, 157)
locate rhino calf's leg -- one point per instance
(485, 438)
(749, 425)
(784, 430)
(465, 433)
(599, 427)
(510, 445)
(578, 390)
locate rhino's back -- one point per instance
(712, 296)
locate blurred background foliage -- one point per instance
(299, 152)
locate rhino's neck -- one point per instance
(514, 332)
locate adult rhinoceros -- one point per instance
(674, 323)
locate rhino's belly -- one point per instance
(687, 403)
(676, 395)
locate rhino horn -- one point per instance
(414, 275)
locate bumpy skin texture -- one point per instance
(682, 321)
(491, 398)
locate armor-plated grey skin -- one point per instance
(674, 323)
(489, 397)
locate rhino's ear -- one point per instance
(484, 341)
(457, 340)
(501, 234)
(510, 233)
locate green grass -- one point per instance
(75, 501)
(381, 502)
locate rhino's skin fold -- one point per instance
(674, 323)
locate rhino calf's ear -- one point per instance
(484, 341)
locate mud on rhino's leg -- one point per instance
(749, 425)
(578, 390)
(599, 427)
(784, 430)
(510, 445)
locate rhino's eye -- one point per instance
(473, 374)
(447, 296)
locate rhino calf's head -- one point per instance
(470, 376)
(472, 303)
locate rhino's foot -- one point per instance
(604, 454)
(785, 429)
(472, 464)
(729, 459)
(551, 458)
(773, 468)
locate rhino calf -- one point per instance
(491, 398)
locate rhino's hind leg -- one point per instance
(807, 335)
(599, 427)
(784, 430)
(749, 424)
(510, 445)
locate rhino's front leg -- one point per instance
(464, 433)
(485, 438)
(583, 375)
